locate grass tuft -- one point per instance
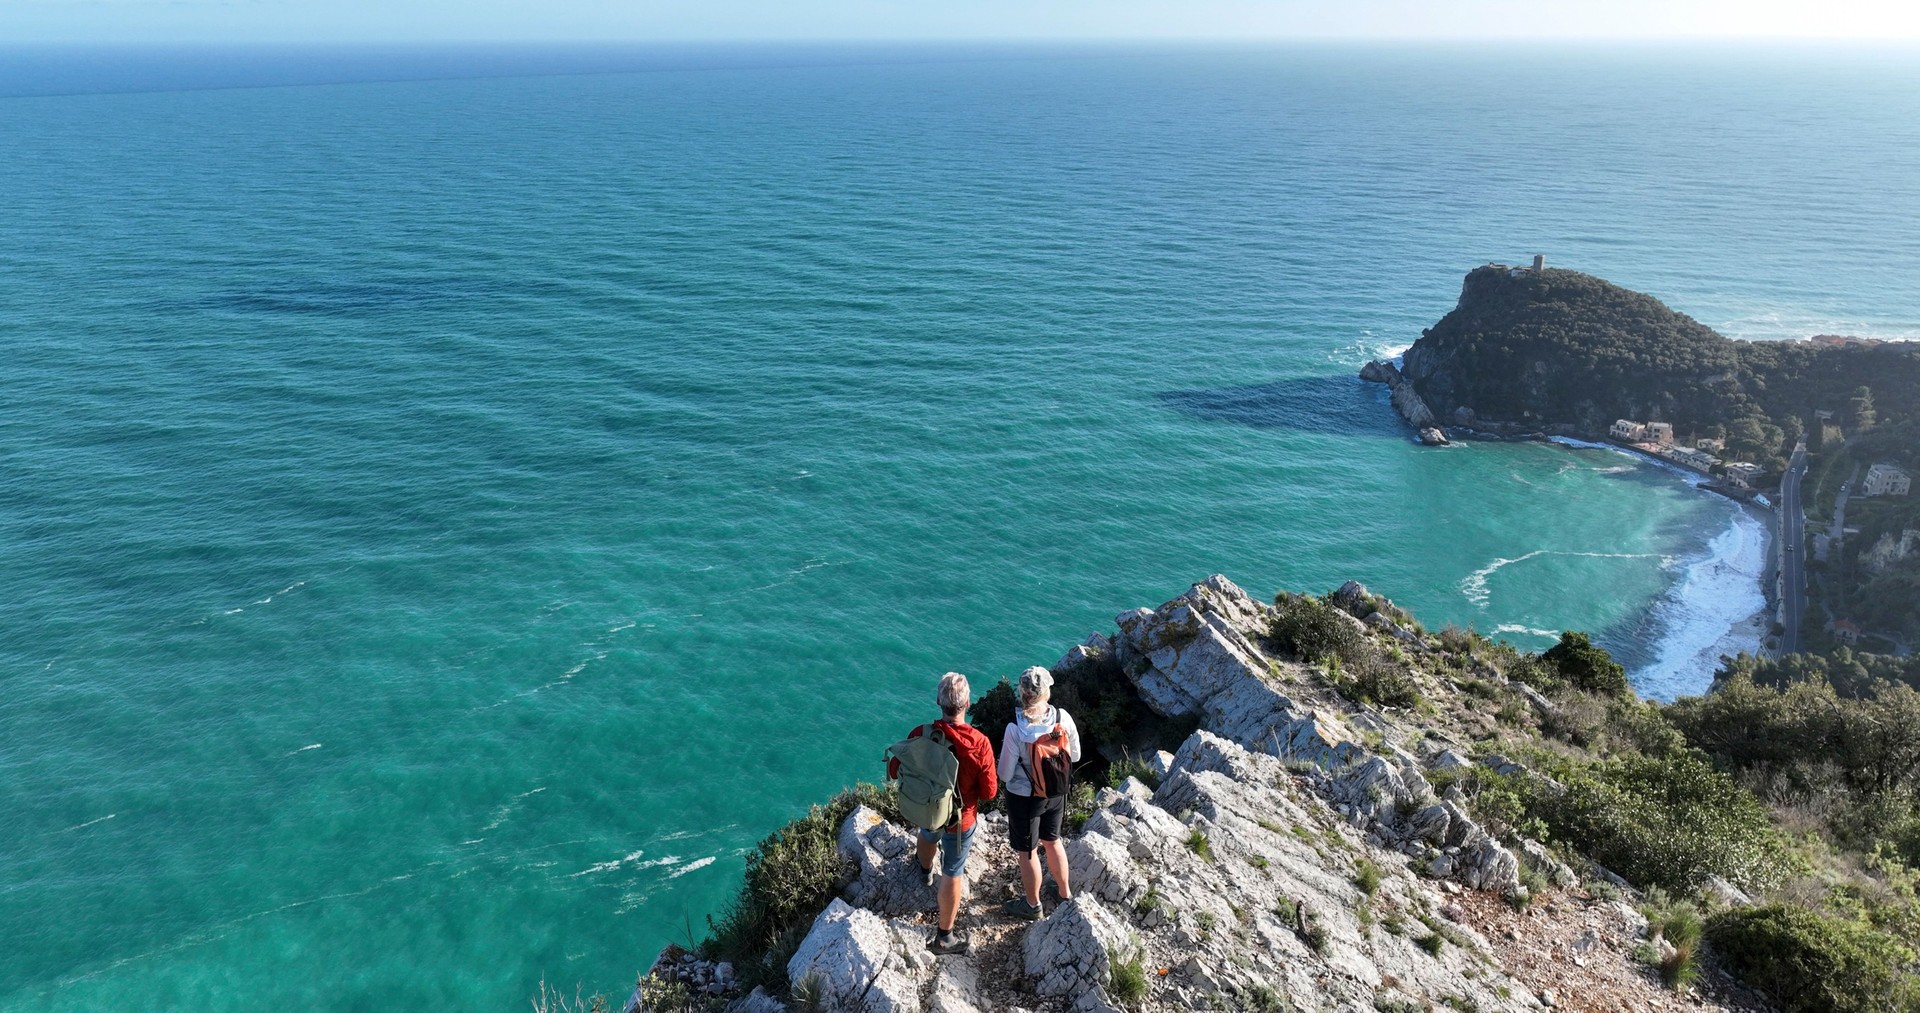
(1128, 979)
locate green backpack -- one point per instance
(929, 773)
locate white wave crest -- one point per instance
(1474, 586)
(1717, 607)
(1528, 630)
(698, 863)
(83, 826)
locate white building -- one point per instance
(1627, 429)
(1699, 460)
(1744, 472)
(1885, 480)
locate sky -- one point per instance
(414, 21)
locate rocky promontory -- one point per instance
(1539, 349)
(1303, 842)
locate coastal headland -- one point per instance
(1310, 804)
(1533, 352)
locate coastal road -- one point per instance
(1793, 578)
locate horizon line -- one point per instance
(1850, 41)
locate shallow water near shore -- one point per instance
(445, 523)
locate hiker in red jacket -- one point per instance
(976, 782)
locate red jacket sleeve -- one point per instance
(983, 780)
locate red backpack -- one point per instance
(1050, 762)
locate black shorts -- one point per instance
(1027, 814)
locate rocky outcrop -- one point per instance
(1281, 861)
(1071, 953)
(883, 879)
(1888, 552)
(1406, 400)
(1221, 625)
(852, 959)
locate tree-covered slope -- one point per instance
(1562, 348)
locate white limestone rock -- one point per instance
(1726, 893)
(1317, 738)
(1537, 858)
(956, 989)
(1102, 866)
(1067, 952)
(757, 1001)
(883, 878)
(856, 963)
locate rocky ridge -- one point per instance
(1293, 855)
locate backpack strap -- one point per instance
(938, 734)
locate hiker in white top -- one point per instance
(1037, 752)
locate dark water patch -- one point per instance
(353, 297)
(1338, 405)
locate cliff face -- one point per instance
(1291, 854)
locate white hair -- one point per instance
(1035, 689)
(954, 695)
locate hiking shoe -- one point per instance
(949, 942)
(1019, 908)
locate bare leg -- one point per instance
(926, 853)
(1029, 864)
(948, 890)
(1057, 864)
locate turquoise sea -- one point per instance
(446, 517)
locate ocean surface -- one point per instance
(444, 522)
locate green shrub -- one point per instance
(1198, 844)
(1080, 807)
(1679, 924)
(1372, 679)
(790, 876)
(1150, 902)
(1312, 630)
(1366, 876)
(1128, 984)
(1811, 963)
(993, 712)
(1659, 821)
(1586, 666)
(1105, 706)
(1266, 999)
(1130, 765)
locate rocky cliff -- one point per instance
(1292, 853)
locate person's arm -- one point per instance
(1006, 755)
(1073, 737)
(989, 784)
